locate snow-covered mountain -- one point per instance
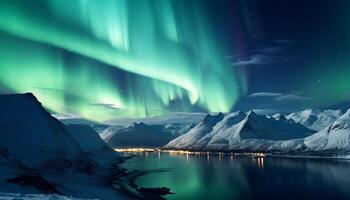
(232, 131)
(281, 117)
(135, 135)
(315, 119)
(175, 129)
(190, 139)
(31, 135)
(170, 118)
(257, 127)
(39, 154)
(335, 137)
(222, 128)
(89, 140)
(332, 140)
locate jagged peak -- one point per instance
(341, 123)
(308, 111)
(346, 114)
(279, 116)
(240, 113)
(311, 111)
(235, 114)
(213, 119)
(251, 114)
(138, 125)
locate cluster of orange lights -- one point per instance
(174, 152)
(134, 150)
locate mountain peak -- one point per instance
(346, 114)
(251, 114)
(240, 113)
(29, 95)
(279, 116)
(139, 125)
(310, 111)
(213, 119)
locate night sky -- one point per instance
(105, 59)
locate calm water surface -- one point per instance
(244, 177)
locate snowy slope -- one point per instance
(335, 137)
(13, 196)
(135, 135)
(222, 129)
(174, 129)
(257, 127)
(88, 139)
(315, 119)
(190, 139)
(332, 140)
(32, 136)
(38, 154)
(91, 143)
(237, 131)
(281, 117)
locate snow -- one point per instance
(33, 136)
(238, 131)
(91, 143)
(276, 134)
(89, 140)
(334, 137)
(315, 119)
(135, 135)
(55, 157)
(16, 196)
(189, 139)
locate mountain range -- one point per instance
(296, 133)
(222, 132)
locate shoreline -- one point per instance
(305, 155)
(126, 182)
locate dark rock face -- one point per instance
(155, 193)
(32, 179)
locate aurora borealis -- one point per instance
(63, 47)
(105, 59)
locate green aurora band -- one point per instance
(58, 50)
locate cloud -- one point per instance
(295, 96)
(106, 105)
(65, 116)
(277, 52)
(291, 97)
(265, 94)
(263, 59)
(257, 59)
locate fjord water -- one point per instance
(243, 177)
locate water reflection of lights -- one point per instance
(259, 161)
(220, 156)
(231, 158)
